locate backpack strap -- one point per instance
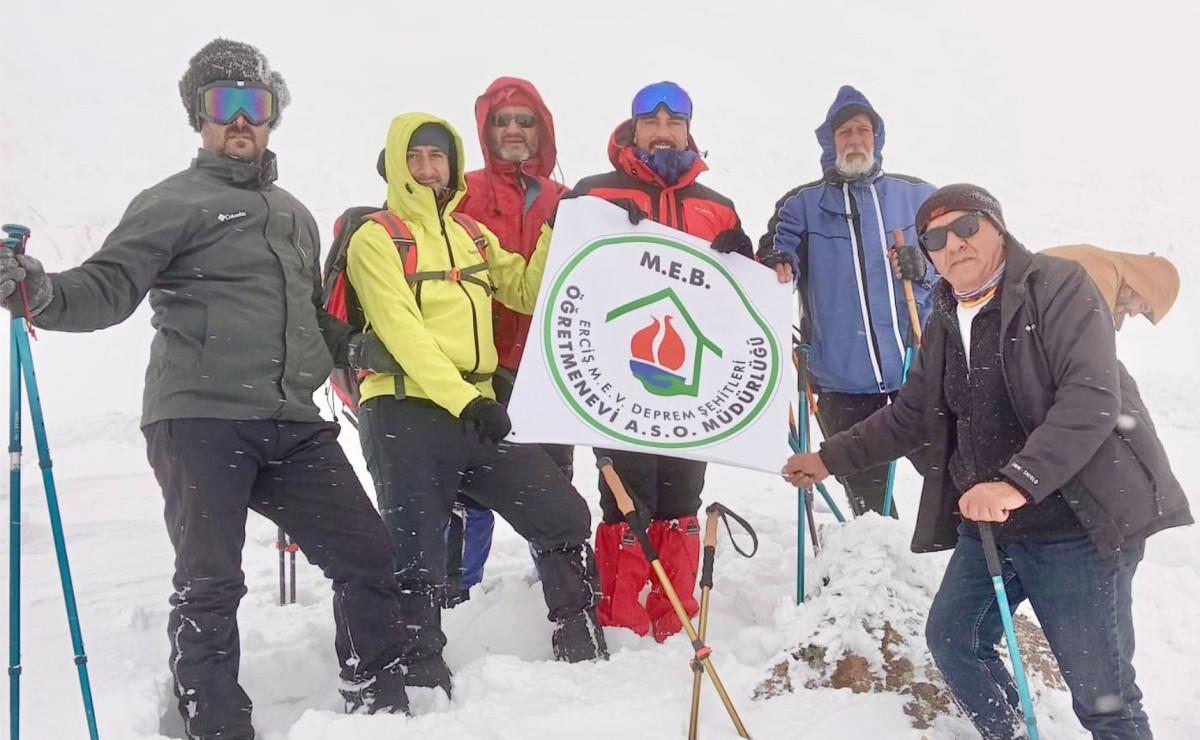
(405, 243)
(471, 226)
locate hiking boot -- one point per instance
(431, 672)
(578, 638)
(382, 693)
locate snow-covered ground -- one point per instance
(1077, 117)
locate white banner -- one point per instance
(645, 339)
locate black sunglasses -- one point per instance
(964, 226)
(524, 120)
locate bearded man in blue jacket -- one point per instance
(838, 232)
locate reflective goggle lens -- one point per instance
(222, 104)
(964, 226)
(524, 120)
(669, 94)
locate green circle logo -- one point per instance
(652, 342)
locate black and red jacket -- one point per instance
(687, 205)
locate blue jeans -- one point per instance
(1083, 600)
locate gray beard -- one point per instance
(517, 158)
(857, 169)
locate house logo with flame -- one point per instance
(667, 353)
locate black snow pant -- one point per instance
(294, 473)
(667, 487)
(838, 412)
(422, 460)
(562, 455)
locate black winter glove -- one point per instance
(16, 269)
(913, 266)
(489, 417)
(733, 240)
(636, 214)
(774, 258)
(366, 351)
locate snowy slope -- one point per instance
(1078, 119)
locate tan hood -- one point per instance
(1150, 276)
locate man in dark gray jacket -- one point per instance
(1017, 412)
(230, 263)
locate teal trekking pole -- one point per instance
(21, 367)
(992, 555)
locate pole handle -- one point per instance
(624, 502)
(710, 527)
(627, 507)
(990, 551)
(914, 318)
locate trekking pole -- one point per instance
(992, 555)
(914, 341)
(285, 545)
(794, 438)
(637, 525)
(21, 368)
(706, 569)
(715, 512)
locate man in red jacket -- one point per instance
(512, 195)
(656, 164)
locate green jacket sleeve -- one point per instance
(374, 269)
(110, 284)
(335, 332)
(516, 281)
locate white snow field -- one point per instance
(1079, 118)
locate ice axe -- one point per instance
(637, 525)
(716, 512)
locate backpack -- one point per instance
(338, 294)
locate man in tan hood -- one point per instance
(1133, 284)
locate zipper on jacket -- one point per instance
(859, 260)
(463, 288)
(283, 397)
(888, 264)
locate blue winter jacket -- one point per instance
(838, 234)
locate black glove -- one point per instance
(774, 258)
(636, 214)
(366, 351)
(913, 266)
(21, 268)
(733, 240)
(490, 419)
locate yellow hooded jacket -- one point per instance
(1152, 277)
(438, 329)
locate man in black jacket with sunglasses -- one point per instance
(1022, 416)
(230, 263)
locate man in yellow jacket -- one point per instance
(1132, 284)
(435, 432)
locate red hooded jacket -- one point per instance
(496, 197)
(686, 205)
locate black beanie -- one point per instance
(846, 112)
(435, 135)
(222, 59)
(960, 197)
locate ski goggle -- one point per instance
(964, 226)
(222, 102)
(524, 120)
(668, 94)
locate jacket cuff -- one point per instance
(1024, 481)
(835, 459)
